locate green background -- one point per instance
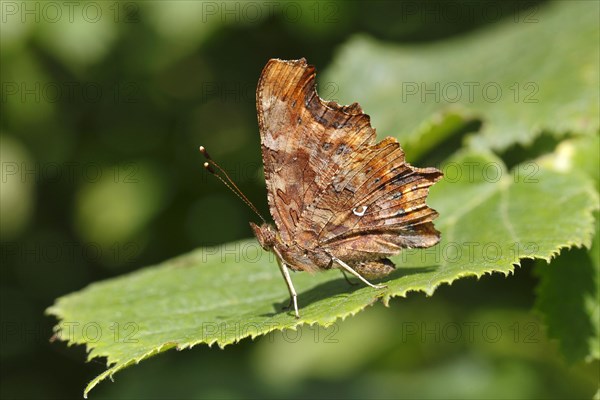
(102, 115)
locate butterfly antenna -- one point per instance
(229, 182)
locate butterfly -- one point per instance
(338, 198)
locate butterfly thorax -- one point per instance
(293, 254)
(266, 235)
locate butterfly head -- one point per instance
(266, 235)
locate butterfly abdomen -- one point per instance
(374, 269)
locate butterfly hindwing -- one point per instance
(376, 204)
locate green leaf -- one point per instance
(569, 289)
(568, 298)
(505, 75)
(489, 219)
(568, 295)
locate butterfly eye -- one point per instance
(359, 211)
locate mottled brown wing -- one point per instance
(329, 184)
(305, 142)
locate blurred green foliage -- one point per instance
(103, 107)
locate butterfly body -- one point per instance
(297, 256)
(338, 198)
(300, 258)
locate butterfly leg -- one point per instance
(347, 279)
(288, 280)
(349, 269)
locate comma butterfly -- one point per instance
(338, 198)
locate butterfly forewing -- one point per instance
(305, 140)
